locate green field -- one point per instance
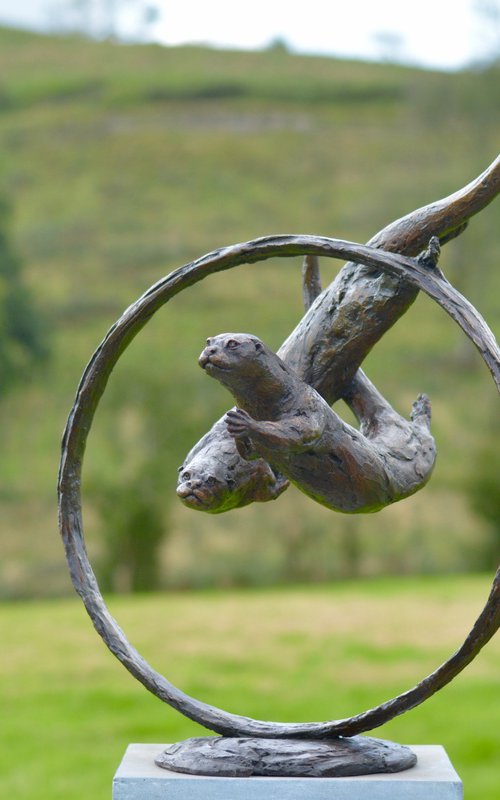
(69, 709)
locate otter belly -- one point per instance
(327, 479)
(342, 471)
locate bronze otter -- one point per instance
(284, 421)
(214, 478)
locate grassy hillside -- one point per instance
(300, 654)
(125, 162)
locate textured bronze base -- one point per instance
(294, 758)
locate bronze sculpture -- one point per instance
(398, 279)
(216, 479)
(340, 327)
(388, 458)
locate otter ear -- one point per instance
(258, 346)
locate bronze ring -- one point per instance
(90, 390)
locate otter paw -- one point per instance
(280, 485)
(239, 423)
(421, 411)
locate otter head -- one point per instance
(208, 483)
(198, 488)
(230, 356)
(255, 376)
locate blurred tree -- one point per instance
(150, 16)
(390, 46)
(83, 12)
(488, 16)
(132, 487)
(134, 518)
(105, 19)
(484, 489)
(129, 496)
(278, 45)
(22, 339)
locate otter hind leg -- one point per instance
(279, 486)
(421, 411)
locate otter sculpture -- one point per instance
(283, 420)
(330, 343)
(215, 478)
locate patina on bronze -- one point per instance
(376, 262)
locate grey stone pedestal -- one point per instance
(433, 778)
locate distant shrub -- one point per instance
(50, 89)
(342, 94)
(483, 490)
(278, 45)
(5, 99)
(22, 340)
(209, 91)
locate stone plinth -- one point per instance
(433, 778)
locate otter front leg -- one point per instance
(246, 431)
(286, 434)
(239, 425)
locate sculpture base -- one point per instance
(285, 758)
(433, 778)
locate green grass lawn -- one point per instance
(69, 709)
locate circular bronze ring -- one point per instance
(91, 388)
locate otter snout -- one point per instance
(198, 489)
(188, 487)
(214, 355)
(192, 492)
(206, 355)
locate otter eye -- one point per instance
(186, 476)
(211, 481)
(231, 344)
